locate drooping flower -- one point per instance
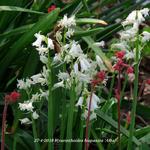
(94, 102)
(24, 84)
(100, 44)
(26, 105)
(92, 115)
(25, 121)
(35, 115)
(146, 36)
(80, 102)
(39, 39)
(67, 22)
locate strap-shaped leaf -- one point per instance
(43, 25)
(14, 8)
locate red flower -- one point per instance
(148, 81)
(130, 70)
(119, 65)
(51, 8)
(12, 97)
(120, 54)
(94, 82)
(101, 76)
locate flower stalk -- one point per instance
(135, 96)
(4, 125)
(87, 120)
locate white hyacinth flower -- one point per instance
(136, 16)
(35, 97)
(25, 121)
(38, 78)
(94, 102)
(24, 85)
(43, 59)
(75, 50)
(63, 76)
(80, 102)
(69, 33)
(76, 68)
(92, 115)
(100, 44)
(67, 22)
(100, 63)
(44, 94)
(42, 50)
(146, 36)
(122, 45)
(50, 43)
(84, 63)
(39, 39)
(59, 84)
(35, 115)
(144, 12)
(129, 55)
(27, 105)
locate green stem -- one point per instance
(135, 96)
(50, 109)
(70, 116)
(37, 145)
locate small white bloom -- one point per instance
(24, 84)
(42, 50)
(63, 76)
(80, 102)
(39, 40)
(43, 59)
(84, 63)
(25, 121)
(27, 105)
(100, 44)
(59, 84)
(129, 55)
(146, 36)
(38, 78)
(57, 58)
(75, 50)
(92, 115)
(35, 97)
(67, 22)
(50, 43)
(122, 45)
(44, 94)
(94, 102)
(144, 12)
(35, 115)
(69, 33)
(76, 68)
(100, 63)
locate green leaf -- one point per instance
(90, 21)
(14, 8)
(87, 33)
(113, 123)
(16, 31)
(43, 25)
